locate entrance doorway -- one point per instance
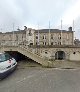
(60, 55)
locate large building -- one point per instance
(50, 44)
(50, 37)
(40, 37)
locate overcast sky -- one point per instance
(39, 12)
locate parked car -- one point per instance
(7, 64)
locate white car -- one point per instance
(7, 64)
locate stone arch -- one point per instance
(60, 55)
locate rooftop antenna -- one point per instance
(49, 32)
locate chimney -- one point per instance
(70, 29)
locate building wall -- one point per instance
(75, 56)
(10, 38)
(49, 53)
(30, 36)
(35, 37)
(67, 38)
(55, 38)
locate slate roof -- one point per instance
(17, 32)
(51, 30)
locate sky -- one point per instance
(37, 14)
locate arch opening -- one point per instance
(60, 55)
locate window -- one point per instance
(36, 43)
(46, 52)
(36, 37)
(44, 43)
(31, 43)
(4, 57)
(51, 37)
(51, 43)
(60, 43)
(55, 43)
(22, 37)
(60, 37)
(43, 37)
(30, 34)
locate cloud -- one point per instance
(72, 13)
(34, 12)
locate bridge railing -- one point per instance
(20, 44)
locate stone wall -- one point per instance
(71, 53)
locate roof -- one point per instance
(51, 30)
(17, 32)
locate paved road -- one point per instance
(37, 79)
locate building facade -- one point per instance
(51, 44)
(50, 37)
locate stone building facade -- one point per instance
(52, 44)
(10, 38)
(41, 37)
(50, 37)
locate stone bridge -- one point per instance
(56, 56)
